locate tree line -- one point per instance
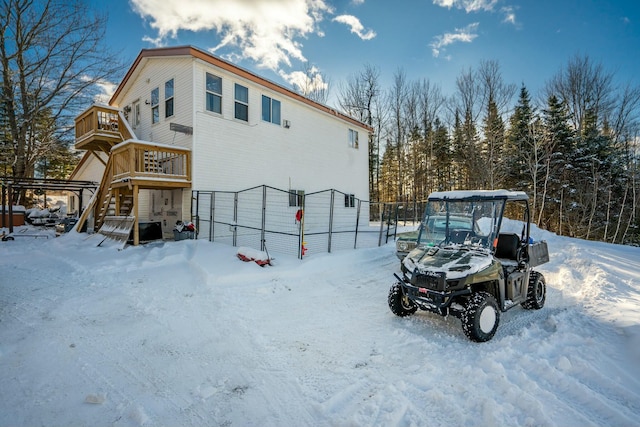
(574, 149)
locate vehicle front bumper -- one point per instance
(439, 302)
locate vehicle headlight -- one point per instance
(402, 245)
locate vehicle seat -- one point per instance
(508, 245)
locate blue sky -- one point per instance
(428, 39)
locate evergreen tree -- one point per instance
(558, 150)
(598, 174)
(520, 147)
(474, 163)
(442, 163)
(492, 146)
(460, 154)
(389, 174)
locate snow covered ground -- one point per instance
(185, 334)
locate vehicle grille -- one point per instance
(433, 281)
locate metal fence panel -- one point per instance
(268, 218)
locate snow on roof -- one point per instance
(148, 143)
(489, 194)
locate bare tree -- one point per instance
(493, 88)
(431, 102)
(397, 128)
(312, 83)
(52, 54)
(360, 98)
(467, 99)
(583, 86)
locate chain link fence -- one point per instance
(291, 222)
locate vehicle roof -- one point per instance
(478, 195)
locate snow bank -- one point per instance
(182, 333)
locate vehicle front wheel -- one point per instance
(399, 303)
(481, 317)
(536, 292)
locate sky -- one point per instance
(426, 39)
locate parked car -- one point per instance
(406, 242)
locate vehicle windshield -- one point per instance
(460, 222)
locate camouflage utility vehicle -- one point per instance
(471, 262)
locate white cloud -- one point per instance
(306, 83)
(480, 5)
(104, 89)
(356, 27)
(510, 15)
(464, 35)
(468, 5)
(264, 31)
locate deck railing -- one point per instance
(101, 122)
(135, 159)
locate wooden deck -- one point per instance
(133, 164)
(99, 128)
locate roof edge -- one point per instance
(235, 69)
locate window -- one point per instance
(135, 113)
(296, 197)
(155, 105)
(349, 201)
(270, 110)
(353, 138)
(242, 103)
(168, 98)
(214, 93)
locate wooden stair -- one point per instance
(132, 165)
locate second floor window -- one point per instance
(168, 98)
(214, 93)
(353, 138)
(135, 114)
(242, 103)
(270, 110)
(155, 105)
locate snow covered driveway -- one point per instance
(183, 333)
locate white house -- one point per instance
(183, 119)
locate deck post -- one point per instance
(136, 221)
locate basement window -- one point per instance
(349, 201)
(296, 197)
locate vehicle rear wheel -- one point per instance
(399, 303)
(480, 317)
(536, 292)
